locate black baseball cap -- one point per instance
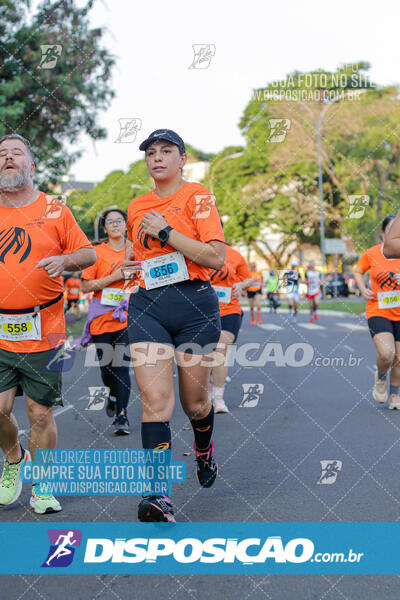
(164, 134)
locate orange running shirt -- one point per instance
(27, 235)
(235, 269)
(381, 271)
(72, 286)
(108, 261)
(257, 284)
(191, 211)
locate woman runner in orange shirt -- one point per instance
(383, 314)
(73, 286)
(177, 238)
(105, 279)
(228, 283)
(254, 293)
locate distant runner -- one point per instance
(383, 315)
(292, 279)
(313, 279)
(254, 293)
(73, 286)
(273, 291)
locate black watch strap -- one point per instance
(165, 231)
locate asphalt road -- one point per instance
(315, 405)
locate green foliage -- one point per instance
(275, 185)
(117, 189)
(52, 106)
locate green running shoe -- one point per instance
(10, 481)
(43, 503)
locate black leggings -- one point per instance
(114, 376)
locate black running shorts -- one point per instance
(185, 315)
(380, 324)
(232, 323)
(252, 294)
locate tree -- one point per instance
(275, 178)
(51, 95)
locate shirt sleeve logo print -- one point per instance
(222, 274)
(53, 208)
(204, 204)
(16, 239)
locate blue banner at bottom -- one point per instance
(214, 548)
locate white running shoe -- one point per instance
(379, 393)
(220, 406)
(394, 402)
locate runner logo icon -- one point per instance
(61, 358)
(62, 547)
(50, 55)
(128, 129)
(330, 471)
(54, 208)
(278, 130)
(203, 54)
(251, 394)
(204, 204)
(357, 206)
(97, 397)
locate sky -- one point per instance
(255, 42)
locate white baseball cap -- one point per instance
(294, 262)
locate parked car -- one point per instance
(335, 285)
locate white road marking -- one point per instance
(349, 348)
(62, 410)
(353, 326)
(311, 326)
(371, 369)
(270, 326)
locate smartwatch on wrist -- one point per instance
(163, 234)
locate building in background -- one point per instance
(196, 171)
(69, 185)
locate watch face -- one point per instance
(162, 235)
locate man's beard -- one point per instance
(10, 183)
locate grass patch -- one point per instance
(355, 307)
(75, 327)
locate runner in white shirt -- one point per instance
(313, 279)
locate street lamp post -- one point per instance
(321, 196)
(318, 128)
